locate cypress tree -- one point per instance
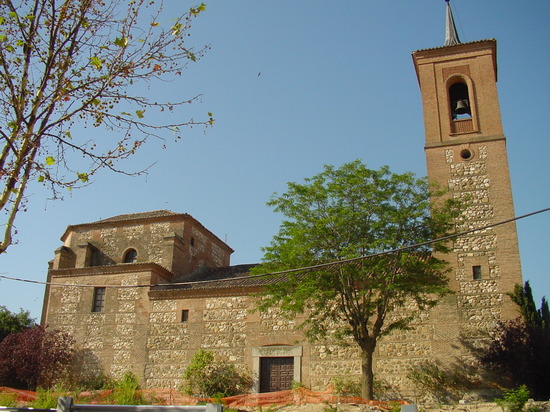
(523, 297)
(545, 314)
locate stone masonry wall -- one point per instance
(112, 242)
(480, 300)
(216, 324)
(114, 336)
(229, 327)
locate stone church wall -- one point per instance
(230, 327)
(114, 336)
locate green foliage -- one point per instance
(46, 398)
(446, 385)
(330, 408)
(385, 391)
(514, 400)
(545, 313)
(205, 377)
(8, 400)
(523, 297)
(346, 387)
(93, 382)
(14, 322)
(125, 391)
(271, 408)
(345, 214)
(518, 353)
(395, 407)
(297, 385)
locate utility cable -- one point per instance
(302, 269)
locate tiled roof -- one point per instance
(216, 273)
(137, 216)
(156, 214)
(223, 277)
(457, 45)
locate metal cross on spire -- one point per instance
(451, 35)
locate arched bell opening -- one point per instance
(462, 106)
(459, 98)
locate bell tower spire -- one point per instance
(451, 35)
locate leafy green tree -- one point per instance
(347, 213)
(84, 63)
(14, 322)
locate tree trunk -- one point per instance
(367, 378)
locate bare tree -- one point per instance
(69, 63)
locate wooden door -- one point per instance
(276, 374)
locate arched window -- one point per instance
(130, 256)
(460, 101)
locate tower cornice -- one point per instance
(464, 140)
(449, 53)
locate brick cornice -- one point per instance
(464, 140)
(112, 270)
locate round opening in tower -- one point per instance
(466, 154)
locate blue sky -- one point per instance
(294, 86)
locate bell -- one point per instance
(462, 107)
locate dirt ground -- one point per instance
(478, 407)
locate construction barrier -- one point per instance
(298, 396)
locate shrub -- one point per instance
(125, 391)
(206, 377)
(297, 385)
(46, 398)
(8, 400)
(346, 387)
(514, 400)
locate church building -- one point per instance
(143, 292)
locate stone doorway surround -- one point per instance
(275, 351)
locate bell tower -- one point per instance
(466, 154)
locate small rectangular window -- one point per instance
(99, 300)
(184, 315)
(476, 272)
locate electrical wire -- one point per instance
(306, 268)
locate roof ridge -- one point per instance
(138, 215)
(456, 45)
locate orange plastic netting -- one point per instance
(299, 396)
(20, 395)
